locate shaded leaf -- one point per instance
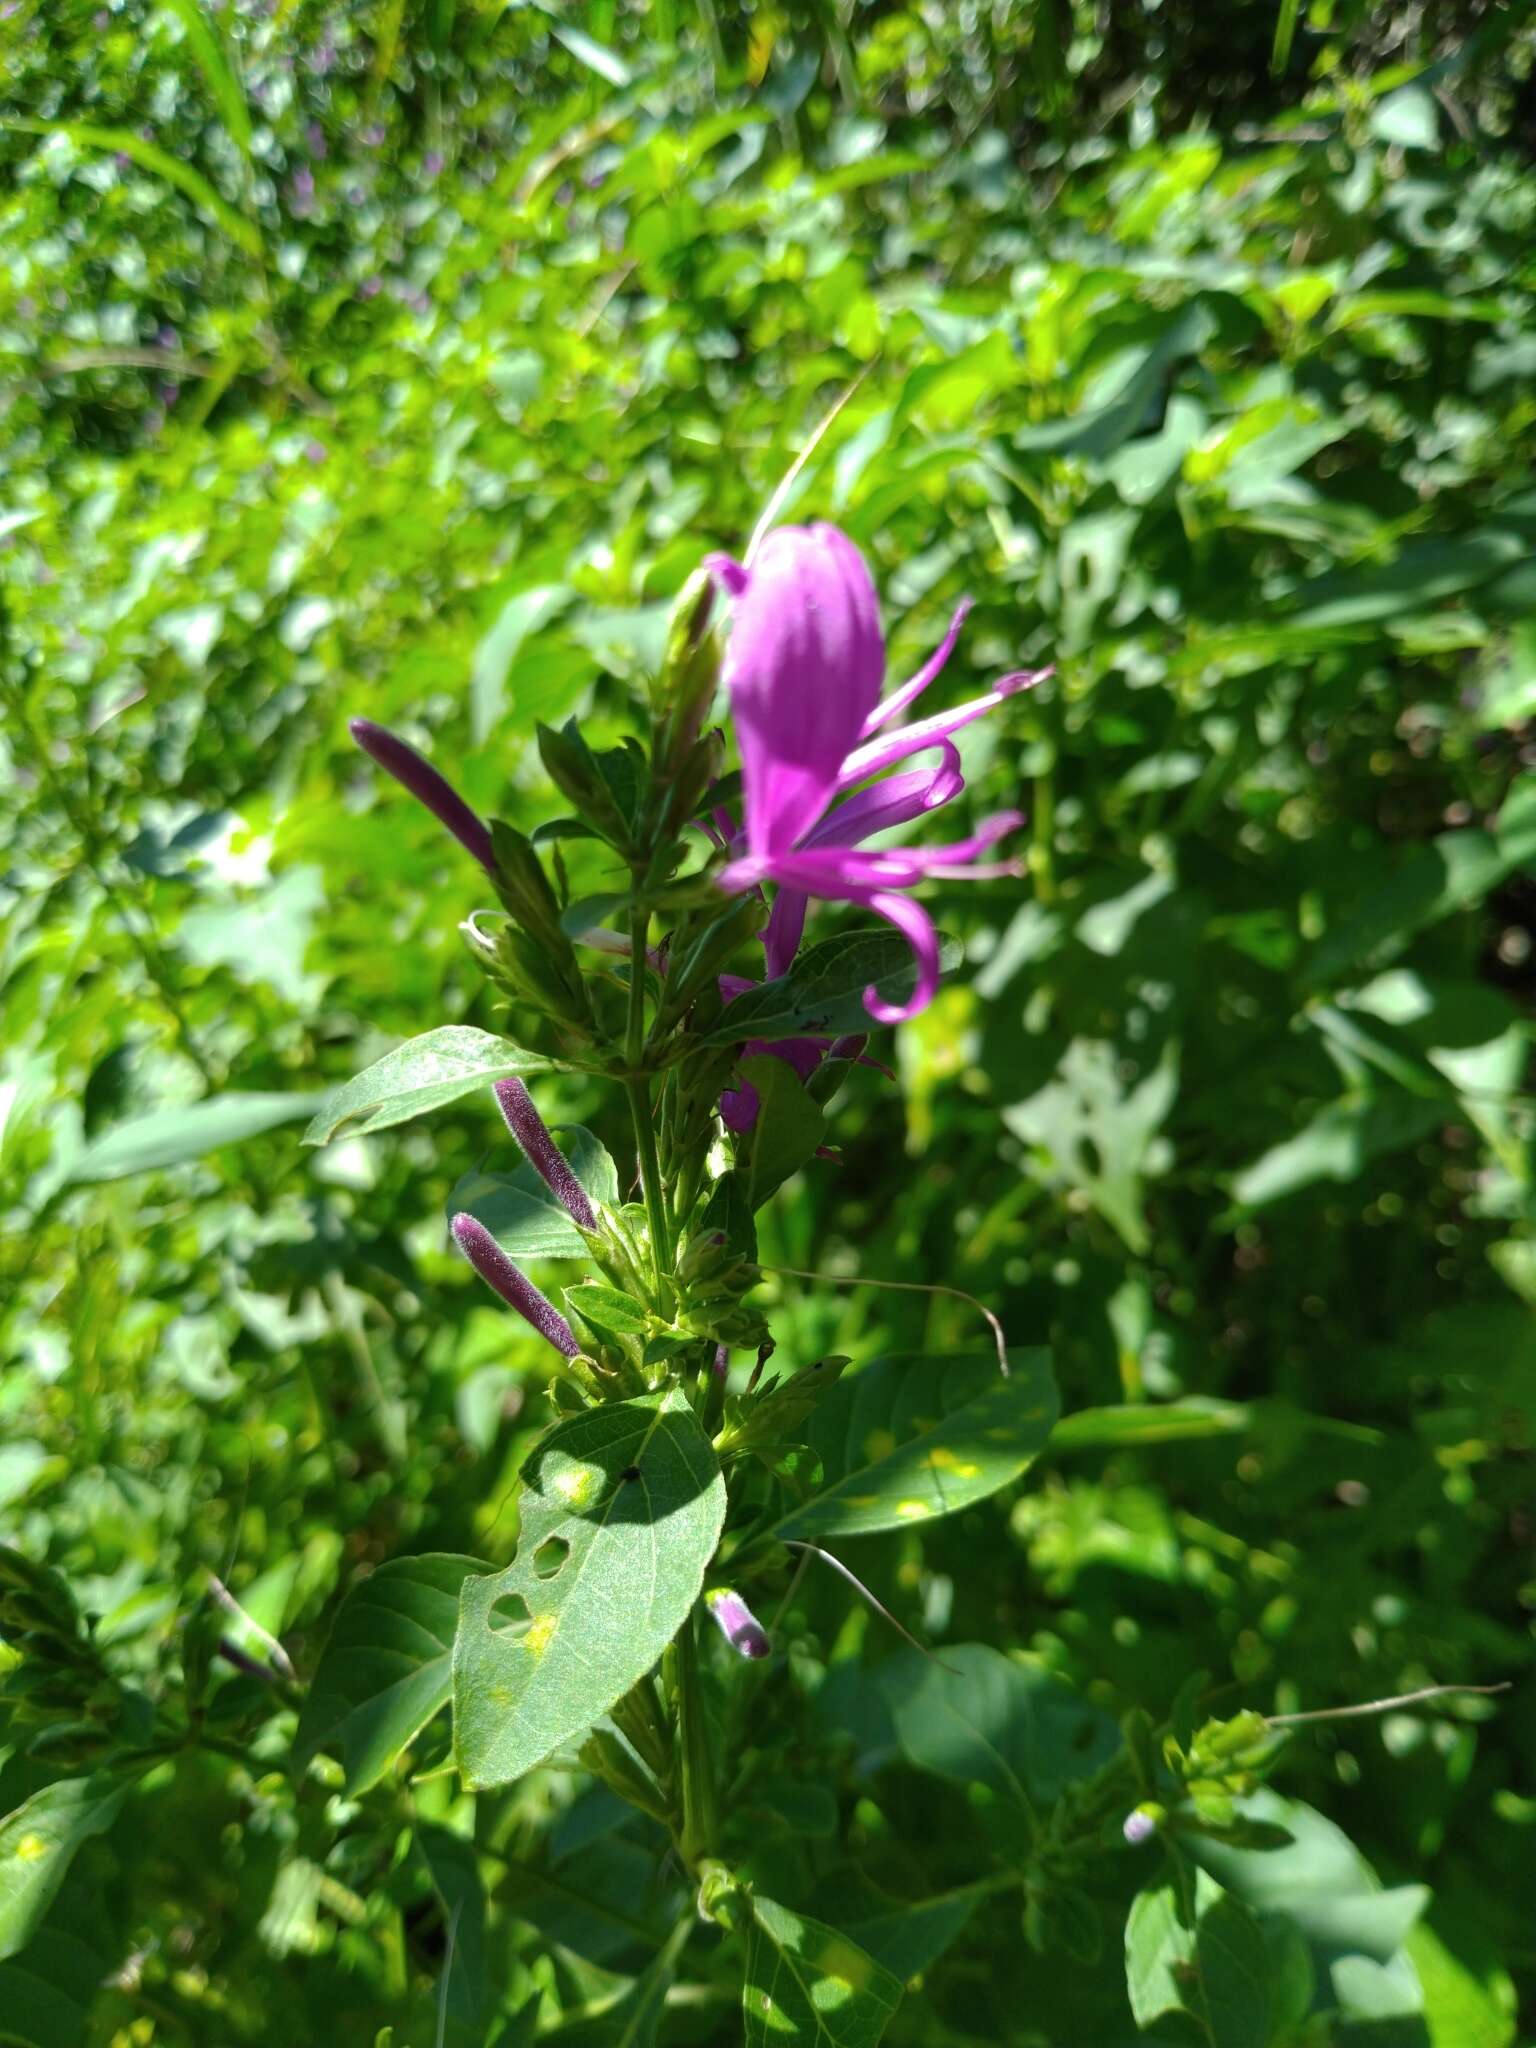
(171, 1137)
(808, 1985)
(823, 994)
(424, 1073)
(37, 1844)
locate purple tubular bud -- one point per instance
(543, 1154)
(412, 772)
(1140, 1826)
(498, 1271)
(722, 1365)
(738, 1624)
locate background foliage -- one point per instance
(403, 360)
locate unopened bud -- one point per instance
(498, 1271)
(397, 758)
(738, 1624)
(543, 1154)
(1141, 1824)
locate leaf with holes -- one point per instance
(621, 1510)
(807, 1986)
(386, 1669)
(911, 1437)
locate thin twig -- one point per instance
(904, 1287)
(1402, 1699)
(864, 1593)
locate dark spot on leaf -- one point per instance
(630, 1472)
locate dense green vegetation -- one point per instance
(403, 362)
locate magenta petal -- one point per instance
(876, 754)
(909, 693)
(784, 930)
(803, 667)
(738, 1624)
(896, 801)
(916, 927)
(739, 1107)
(416, 774)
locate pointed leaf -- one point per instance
(823, 994)
(807, 1986)
(621, 1510)
(171, 1137)
(424, 1073)
(455, 1872)
(387, 1668)
(1206, 1956)
(785, 1133)
(909, 1438)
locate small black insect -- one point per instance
(630, 1472)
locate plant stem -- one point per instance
(1042, 853)
(695, 1761)
(637, 1088)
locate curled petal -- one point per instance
(916, 927)
(416, 774)
(876, 754)
(909, 692)
(896, 801)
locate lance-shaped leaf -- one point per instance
(911, 1437)
(424, 1073)
(523, 1215)
(170, 1137)
(807, 1986)
(621, 1511)
(823, 994)
(37, 1843)
(387, 1667)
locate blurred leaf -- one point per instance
(910, 1438)
(171, 1137)
(37, 1844)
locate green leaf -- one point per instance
(823, 994)
(47, 1995)
(1154, 1422)
(171, 1137)
(1100, 1131)
(909, 1438)
(215, 209)
(621, 1509)
(784, 1134)
(910, 1939)
(455, 1872)
(524, 613)
(1337, 1144)
(1320, 1885)
(387, 1667)
(807, 1986)
(1098, 430)
(1207, 1957)
(979, 1717)
(634, 2019)
(424, 1073)
(520, 1212)
(214, 62)
(37, 1844)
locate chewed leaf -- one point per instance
(621, 1511)
(823, 994)
(807, 1986)
(910, 1437)
(424, 1073)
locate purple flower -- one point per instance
(370, 287)
(314, 140)
(738, 1624)
(408, 768)
(543, 1154)
(1140, 1826)
(498, 1271)
(301, 192)
(432, 164)
(804, 669)
(315, 452)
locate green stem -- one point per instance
(637, 1088)
(1042, 852)
(695, 1760)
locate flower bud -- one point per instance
(397, 758)
(1141, 1824)
(543, 1154)
(738, 1624)
(498, 1271)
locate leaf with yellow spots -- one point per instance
(807, 1986)
(37, 1844)
(620, 1512)
(912, 1437)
